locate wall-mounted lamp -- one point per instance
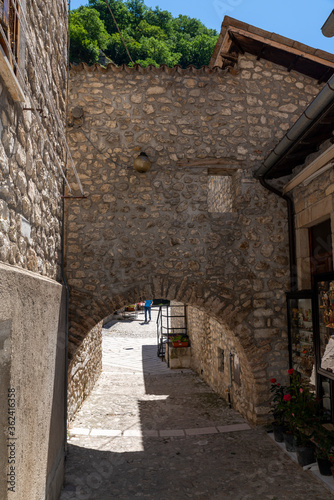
(142, 163)
(328, 27)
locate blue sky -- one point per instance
(300, 20)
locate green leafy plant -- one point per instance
(324, 440)
(301, 408)
(180, 338)
(295, 406)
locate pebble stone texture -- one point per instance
(30, 179)
(149, 432)
(154, 234)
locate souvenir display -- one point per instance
(301, 337)
(326, 324)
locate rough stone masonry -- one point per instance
(160, 234)
(32, 305)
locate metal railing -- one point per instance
(168, 326)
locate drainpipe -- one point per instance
(66, 316)
(63, 241)
(313, 112)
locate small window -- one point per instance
(10, 47)
(236, 370)
(221, 360)
(220, 193)
(10, 32)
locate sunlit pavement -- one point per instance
(147, 431)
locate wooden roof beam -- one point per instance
(293, 64)
(236, 42)
(271, 43)
(317, 138)
(327, 74)
(261, 52)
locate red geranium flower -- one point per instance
(287, 397)
(272, 380)
(290, 371)
(278, 384)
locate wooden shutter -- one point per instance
(11, 26)
(4, 13)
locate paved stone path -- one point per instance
(149, 432)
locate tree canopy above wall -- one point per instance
(153, 36)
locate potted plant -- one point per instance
(294, 408)
(300, 411)
(180, 341)
(324, 440)
(277, 409)
(331, 458)
(305, 449)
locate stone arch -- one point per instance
(156, 228)
(87, 311)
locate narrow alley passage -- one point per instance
(149, 432)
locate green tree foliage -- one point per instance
(153, 36)
(88, 35)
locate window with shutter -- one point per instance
(11, 29)
(10, 44)
(4, 20)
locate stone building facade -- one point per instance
(32, 305)
(311, 188)
(158, 234)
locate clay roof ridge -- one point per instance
(112, 67)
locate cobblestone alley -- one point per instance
(149, 432)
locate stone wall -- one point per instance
(32, 316)
(218, 357)
(31, 147)
(153, 234)
(84, 369)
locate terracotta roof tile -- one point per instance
(111, 67)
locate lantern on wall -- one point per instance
(142, 163)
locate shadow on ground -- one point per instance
(145, 463)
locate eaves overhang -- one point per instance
(314, 126)
(237, 38)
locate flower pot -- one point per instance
(324, 466)
(278, 430)
(290, 442)
(180, 344)
(305, 455)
